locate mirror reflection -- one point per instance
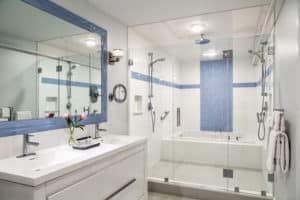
(48, 66)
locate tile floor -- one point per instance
(249, 180)
(157, 196)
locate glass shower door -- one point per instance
(152, 86)
(247, 154)
(201, 149)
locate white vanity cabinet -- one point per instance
(119, 176)
(125, 176)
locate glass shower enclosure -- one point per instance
(210, 84)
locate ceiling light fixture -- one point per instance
(90, 42)
(197, 28)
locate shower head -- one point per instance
(158, 60)
(258, 54)
(202, 40)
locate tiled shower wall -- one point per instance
(185, 84)
(177, 85)
(245, 97)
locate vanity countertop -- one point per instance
(54, 162)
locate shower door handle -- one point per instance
(178, 117)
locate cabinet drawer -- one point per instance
(125, 177)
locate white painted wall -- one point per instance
(287, 94)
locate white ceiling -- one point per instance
(222, 29)
(26, 22)
(133, 12)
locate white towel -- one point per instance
(284, 152)
(278, 149)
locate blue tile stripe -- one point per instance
(244, 85)
(54, 81)
(189, 86)
(146, 78)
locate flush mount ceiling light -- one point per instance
(90, 42)
(210, 53)
(197, 28)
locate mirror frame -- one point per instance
(21, 127)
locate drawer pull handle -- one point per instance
(121, 189)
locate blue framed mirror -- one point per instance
(53, 62)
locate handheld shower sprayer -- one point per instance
(261, 116)
(150, 95)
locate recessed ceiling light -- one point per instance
(90, 42)
(210, 53)
(197, 28)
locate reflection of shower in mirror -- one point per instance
(69, 85)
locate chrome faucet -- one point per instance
(26, 143)
(237, 138)
(98, 130)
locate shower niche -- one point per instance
(138, 105)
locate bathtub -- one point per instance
(217, 149)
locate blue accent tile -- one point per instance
(216, 95)
(243, 85)
(146, 78)
(189, 86)
(54, 81)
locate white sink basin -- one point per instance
(54, 162)
(115, 139)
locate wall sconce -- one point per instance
(115, 55)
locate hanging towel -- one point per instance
(278, 149)
(284, 152)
